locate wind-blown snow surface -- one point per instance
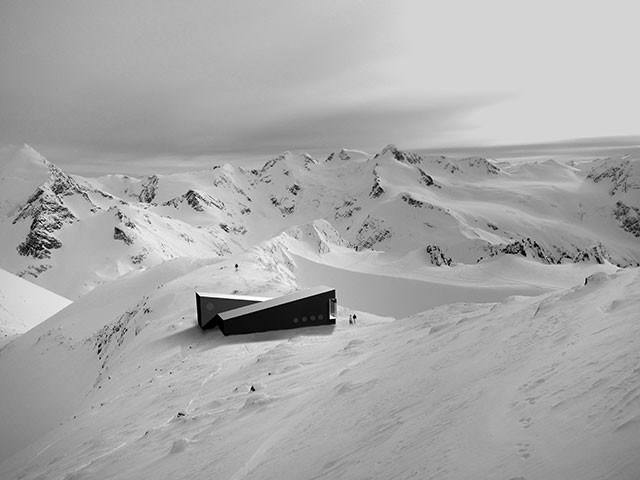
(532, 387)
(479, 351)
(23, 305)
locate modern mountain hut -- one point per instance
(235, 314)
(209, 305)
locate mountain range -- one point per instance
(69, 233)
(497, 332)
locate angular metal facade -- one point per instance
(208, 305)
(306, 308)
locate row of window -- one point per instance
(312, 318)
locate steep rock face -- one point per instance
(436, 256)
(196, 200)
(426, 179)
(48, 214)
(401, 156)
(376, 189)
(530, 248)
(622, 174)
(347, 209)
(125, 229)
(629, 218)
(286, 161)
(149, 189)
(47, 209)
(597, 253)
(371, 232)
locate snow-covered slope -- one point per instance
(69, 233)
(531, 387)
(23, 304)
(496, 335)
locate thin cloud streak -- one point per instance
(126, 80)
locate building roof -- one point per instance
(225, 296)
(273, 302)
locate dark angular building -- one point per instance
(305, 308)
(209, 305)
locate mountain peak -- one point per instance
(399, 155)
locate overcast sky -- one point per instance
(106, 81)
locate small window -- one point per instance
(313, 318)
(296, 320)
(320, 317)
(304, 319)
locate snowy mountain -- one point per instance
(496, 333)
(531, 387)
(454, 211)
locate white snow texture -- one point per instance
(497, 331)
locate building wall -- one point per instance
(209, 307)
(305, 312)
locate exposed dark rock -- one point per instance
(425, 179)
(119, 234)
(48, 214)
(376, 189)
(149, 189)
(436, 257)
(196, 200)
(525, 247)
(38, 244)
(137, 259)
(371, 232)
(412, 201)
(629, 218)
(347, 209)
(403, 157)
(619, 172)
(34, 270)
(597, 253)
(285, 205)
(294, 189)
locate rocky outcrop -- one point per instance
(425, 179)
(622, 173)
(436, 257)
(629, 218)
(376, 189)
(120, 234)
(371, 232)
(347, 209)
(402, 157)
(48, 214)
(598, 253)
(196, 200)
(525, 247)
(285, 204)
(409, 200)
(149, 189)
